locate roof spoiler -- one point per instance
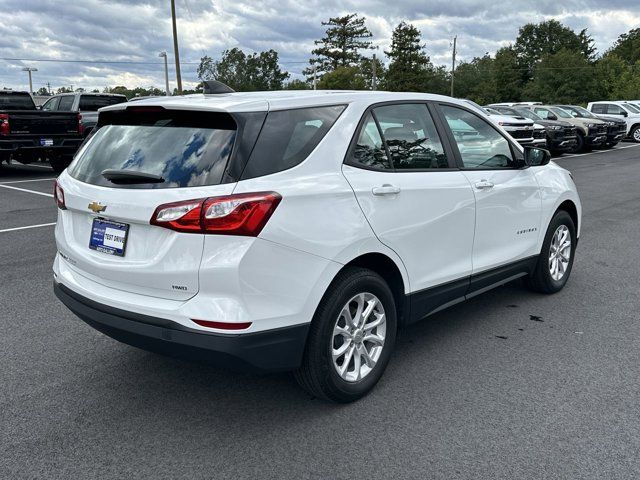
(214, 87)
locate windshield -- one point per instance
(16, 101)
(632, 107)
(528, 114)
(184, 154)
(561, 113)
(580, 112)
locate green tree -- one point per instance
(409, 62)
(343, 78)
(563, 77)
(64, 90)
(296, 84)
(611, 72)
(509, 78)
(344, 39)
(536, 41)
(475, 80)
(242, 72)
(42, 91)
(627, 46)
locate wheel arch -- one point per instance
(387, 268)
(570, 207)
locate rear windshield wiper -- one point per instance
(130, 177)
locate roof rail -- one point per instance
(214, 87)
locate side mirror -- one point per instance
(625, 114)
(552, 116)
(535, 157)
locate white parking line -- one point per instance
(25, 181)
(50, 195)
(595, 153)
(27, 227)
(33, 165)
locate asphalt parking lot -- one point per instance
(508, 385)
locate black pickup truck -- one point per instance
(28, 134)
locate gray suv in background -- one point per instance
(87, 104)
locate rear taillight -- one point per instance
(4, 124)
(58, 196)
(243, 214)
(80, 125)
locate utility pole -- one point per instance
(453, 63)
(373, 68)
(29, 70)
(314, 76)
(175, 46)
(166, 72)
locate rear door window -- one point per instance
(599, 108)
(91, 103)
(288, 137)
(51, 104)
(186, 149)
(66, 103)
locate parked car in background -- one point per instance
(617, 128)
(560, 135)
(298, 230)
(28, 134)
(539, 134)
(626, 111)
(520, 129)
(591, 132)
(87, 104)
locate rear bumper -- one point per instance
(274, 350)
(28, 145)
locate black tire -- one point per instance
(58, 164)
(634, 134)
(580, 143)
(317, 374)
(541, 280)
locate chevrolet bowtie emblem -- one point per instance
(96, 207)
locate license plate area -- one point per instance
(109, 237)
(46, 142)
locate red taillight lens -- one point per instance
(58, 196)
(223, 325)
(243, 214)
(4, 124)
(80, 125)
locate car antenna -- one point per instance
(214, 87)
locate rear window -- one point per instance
(288, 137)
(16, 101)
(91, 103)
(187, 149)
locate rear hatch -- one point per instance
(105, 234)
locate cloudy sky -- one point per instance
(135, 31)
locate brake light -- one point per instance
(223, 325)
(80, 125)
(243, 214)
(58, 195)
(4, 124)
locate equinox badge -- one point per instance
(96, 207)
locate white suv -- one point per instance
(299, 230)
(627, 111)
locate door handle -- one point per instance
(484, 184)
(385, 189)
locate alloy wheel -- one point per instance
(559, 252)
(358, 337)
